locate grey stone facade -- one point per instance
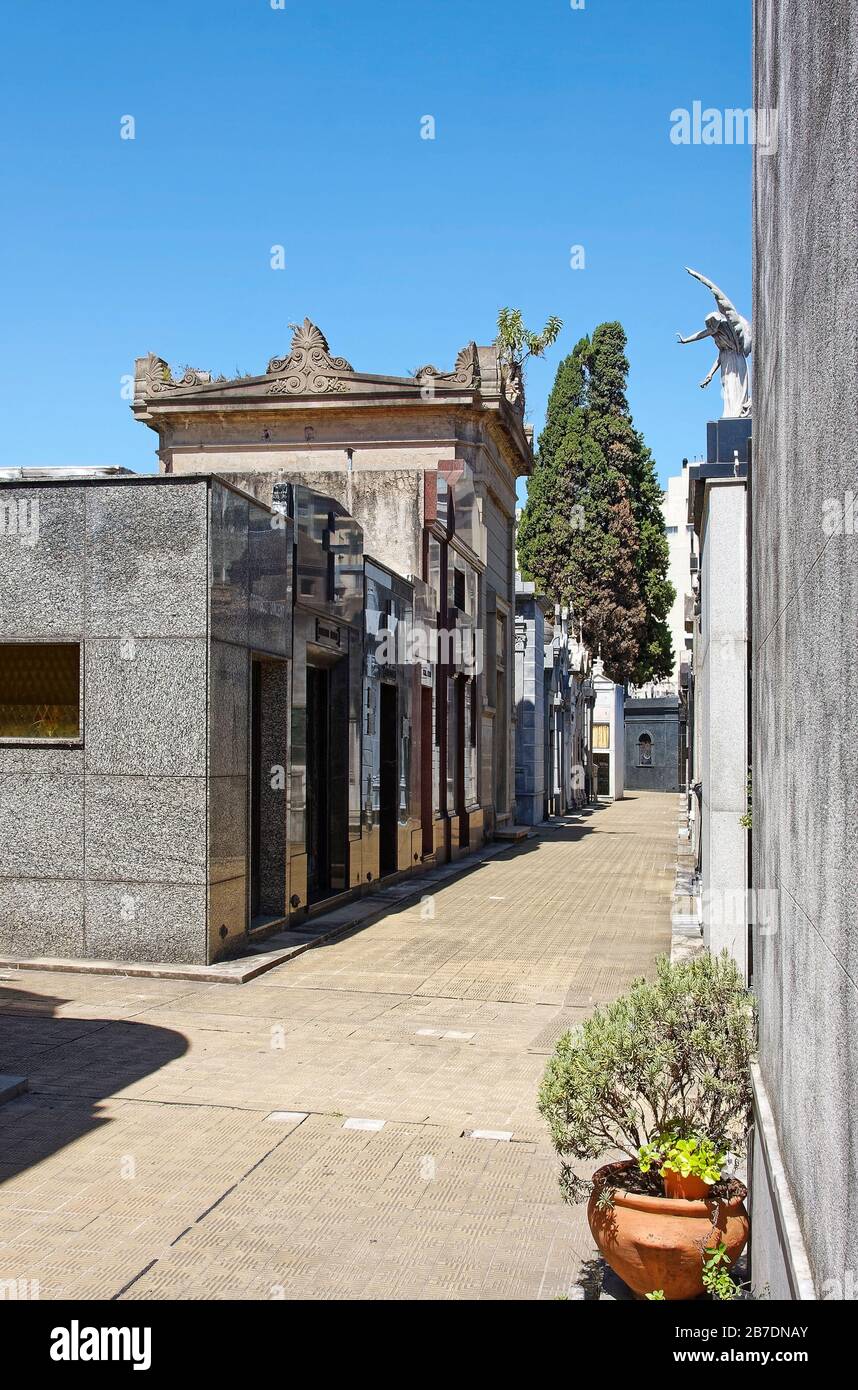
(530, 707)
(127, 841)
(805, 678)
(553, 704)
(653, 729)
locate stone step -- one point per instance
(11, 1086)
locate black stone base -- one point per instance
(726, 437)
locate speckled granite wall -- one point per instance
(130, 843)
(805, 602)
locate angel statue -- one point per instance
(732, 334)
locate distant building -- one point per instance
(654, 745)
(608, 746)
(553, 710)
(656, 754)
(681, 546)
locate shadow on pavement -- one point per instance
(70, 1064)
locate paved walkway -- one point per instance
(190, 1140)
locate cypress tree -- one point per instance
(625, 449)
(592, 533)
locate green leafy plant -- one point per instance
(672, 1056)
(697, 1158)
(657, 1296)
(515, 343)
(694, 1156)
(717, 1280)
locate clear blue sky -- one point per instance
(258, 126)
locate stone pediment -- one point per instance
(309, 369)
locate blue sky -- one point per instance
(301, 127)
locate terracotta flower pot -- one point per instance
(657, 1242)
(691, 1188)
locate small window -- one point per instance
(672, 530)
(601, 735)
(40, 690)
(644, 751)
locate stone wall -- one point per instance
(805, 589)
(103, 847)
(660, 720)
(721, 693)
(529, 707)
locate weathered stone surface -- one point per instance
(41, 917)
(146, 829)
(805, 598)
(53, 759)
(41, 825)
(145, 921)
(146, 706)
(42, 569)
(146, 561)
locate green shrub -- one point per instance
(670, 1056)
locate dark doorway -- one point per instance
(427, 747)
(267, 814)
(318, 783)
(603, 773)
(460, 697)
(255, 788)
(389, 788)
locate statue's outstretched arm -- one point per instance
(724, 304)
(695, 337)
(736, 321)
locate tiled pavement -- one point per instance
(161, 1153)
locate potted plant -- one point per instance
(662, 1076)
(690, 1167)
